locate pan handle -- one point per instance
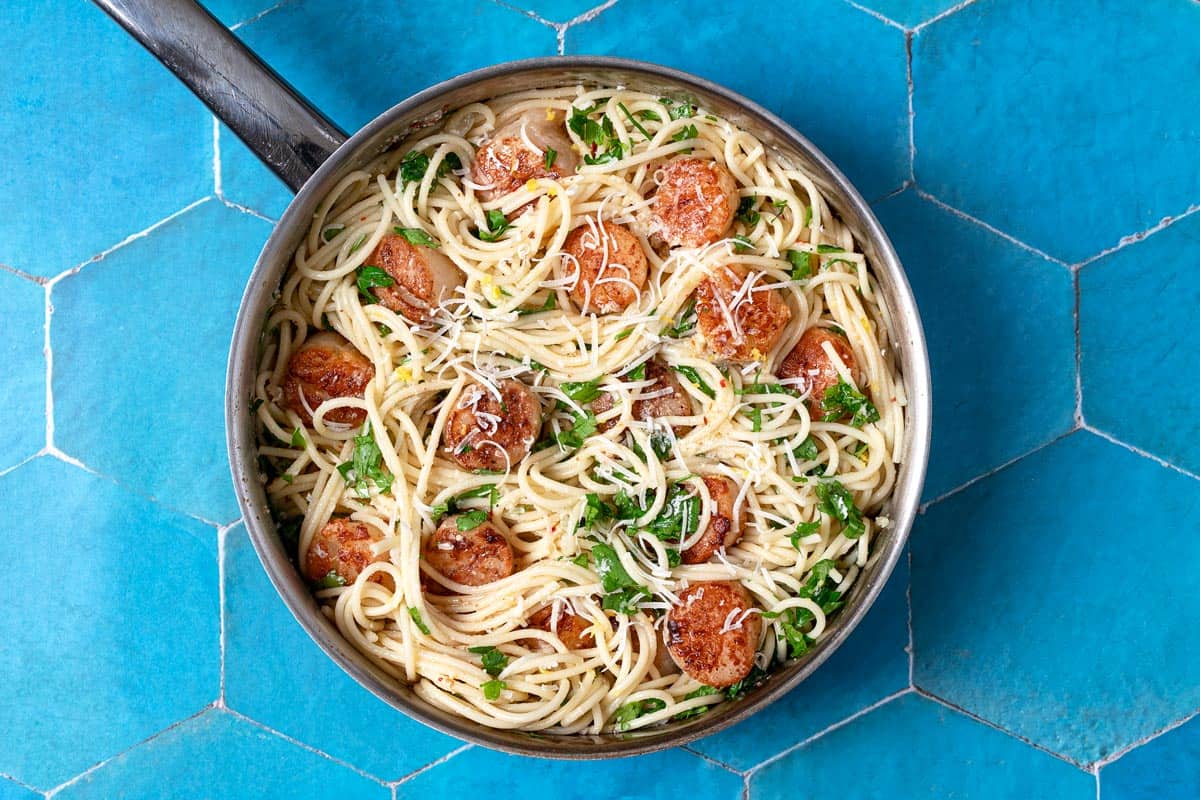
(273, 119)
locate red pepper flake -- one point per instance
(722, 383)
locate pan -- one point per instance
(311, 154)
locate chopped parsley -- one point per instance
(684, 324)
(692, 375)
(497, 224)
(844, 400)
(450, 505)
(623, 595)
(369, 278)
(741, 244)
(549, 304)
(298, 439)
(802, 264)
(638, 373)
(358, 243)
(581, 560)
(647, 114)
(582, 427)
(803, 530)
(837, 502)
(807, 450)
(685, 133)
(582, 391)
(414, 166)
(330, 580)
(751, 681)
(678, 109)
(703, 691)
(679, 518)
(595, 511)
(829, 248)
(492, 660)
(746, 212)
(330, 233)
(638, 708)
(365, 465)
(492, 689)
(256, 405)
(820, 589)
(417, 236)
(623, 335)
(415, 615)
(551, 155)
(471, 520)
(600, 137)
(633, 120)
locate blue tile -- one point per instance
(84, 120)
(271, 667)
(1050, 127)
(11, 791)
(246, 181)
(1135, 307)
(1041, 601)
(23, 379)
(232, 12)
(851, 101)
(872, 664)
(217, 755)
(113, 633)
(378, 59)
(914, 747)
(909, 12)
(1167, 767)
(985, 301)
(485, 773)
(152, 416)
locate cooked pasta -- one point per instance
(579, 410)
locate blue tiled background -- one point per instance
(1035, 164)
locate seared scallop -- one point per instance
(695, 202)
(573, 630)
(423, 277)
(473, 557)
(811, 366)
(520, 151)
(611, 267)
(736, 323)
(724, 527)
(324, 367)
(712, 634)
(342, 548)
(486, 433)
(665, 397)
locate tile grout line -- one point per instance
(1162, 462)
(581, 19)
(221, 535)
(947, 495)
(104, 762)
(29, 276)
(939, 17)
(830, 729)
(912, 645)
(435, 763)
(260, 15)
(1121, 752)
(994, 726)
(48, 353)
(1097, 776)
(912, 114)
(218, 189)
(304, 745)
(988, 227)
(715, 762)
(21, 783)
(126, 241)
(1140, 236)
(870, 12)
(1078, 352)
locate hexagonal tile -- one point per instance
(851, 101)
(272, 667)
(247, 181)
(985, 303)
(1050, 129)
(486, 773)
(114, 632)
(1041, 601)
(872, 664)
(378, 59)
(218, 755)
(909, 13)
(83, 119)
(140, 342)
(1135, 306)
(914, 747)
(1168, 766)
(23, 379)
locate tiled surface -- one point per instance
(1048, 623)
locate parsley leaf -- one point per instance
(741, 244)
(807, 450)
(551, 155)
(330, 580)
(746, 212)
(815, 587)
(450, 505)
(497, 224)
(358, 243)
(844, 400)
(703, 691)
(549, 304)
(596, 511)
(471, 520)
(837, 502)
(641, 128)
(638, 373)
(368, 278)
(416, 618)
(802, 530)
(330, 233)
(648, 114)
(802, 264)
(623, 335)
(678, 109)
(685, 324)
(583, 427)
(493, 661)
(365, 465)
(492, 689)
(683, 134)
(623, 594)
(413, 167)
(417, 236)
(679, 518)
(829, 248)
(298, 439)
(638, 708)
(751, 681)
(692, 375)
(582, 391)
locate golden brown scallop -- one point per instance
(695, 202)
(811, 365)
(709, 634)
(423, 277)
(724, 527)
(573, 630)
(758, 316)
(612, 267)
(486, 433)
(517, 152)
(324, 367)
(343, 548)
(675, 403)
(473, 557)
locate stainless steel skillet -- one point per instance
(310, 154)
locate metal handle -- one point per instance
(273, 119)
